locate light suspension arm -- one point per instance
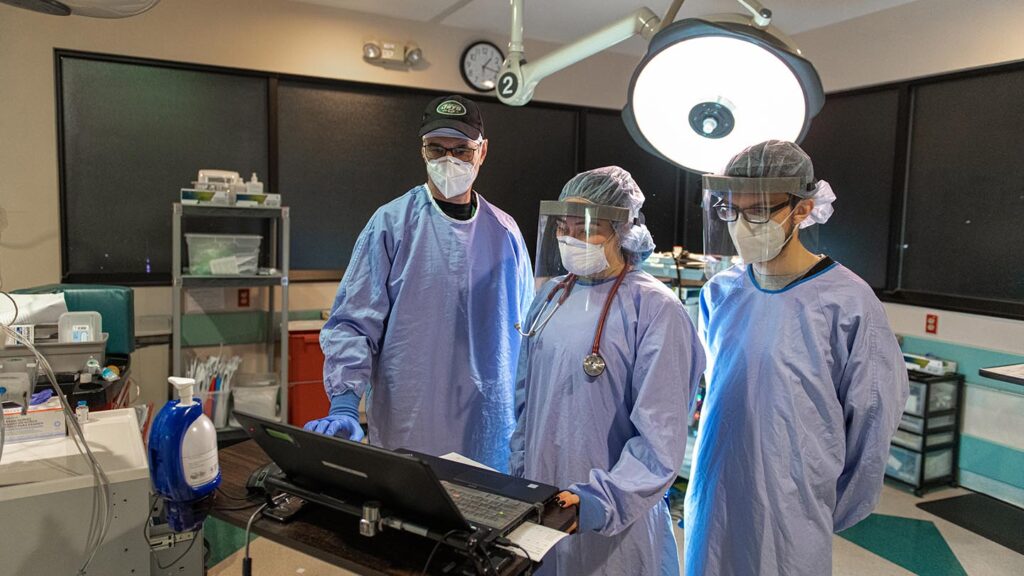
(518, 80)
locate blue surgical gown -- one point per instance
(806, 388)
(424, 318)
(616, 440)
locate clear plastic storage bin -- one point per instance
(917, 424)
(943, 397)
(79, 327)
(257, 400)
(918, 442)
(223, 254)
(905, 465)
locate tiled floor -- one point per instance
(974, 555)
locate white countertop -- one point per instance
(56, 465)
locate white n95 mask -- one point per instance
(758, 242)
(581, 258)
(452, 176)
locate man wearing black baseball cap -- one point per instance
(424, 319)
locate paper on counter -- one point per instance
(1013, 370)
(536, 539)
(33, 308)
(456, 457)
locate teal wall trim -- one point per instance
(995, 461)
(985, 485)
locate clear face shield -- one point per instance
(751, 220)
(577, 238)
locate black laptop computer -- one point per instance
(432, 492)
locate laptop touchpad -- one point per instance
(484, 478)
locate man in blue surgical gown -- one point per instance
(806, 380)
(423, 321)
(606, 420)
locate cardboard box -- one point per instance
(42, 421)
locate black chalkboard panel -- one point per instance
(606, 142)
(343, 153)
(531, 155)
(965, 199)
(132, 136)
(346, 150)
(852, 143)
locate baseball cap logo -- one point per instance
(451, 108)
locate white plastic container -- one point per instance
(254, 186)
(223, 254)
(263, 379)
(79, 327)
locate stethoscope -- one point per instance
(594, 364)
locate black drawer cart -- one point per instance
(926, 448)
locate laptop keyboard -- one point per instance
(484, 508)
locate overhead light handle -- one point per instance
(762, 16)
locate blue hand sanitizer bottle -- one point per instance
(183, 458)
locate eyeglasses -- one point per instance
(435, 151)
(755, 214)
(576, 228)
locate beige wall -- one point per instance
(918, 39)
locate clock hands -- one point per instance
(488, 67)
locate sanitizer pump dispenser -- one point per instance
(183, 458)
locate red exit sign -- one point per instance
(931, 323)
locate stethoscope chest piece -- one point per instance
(594, 365)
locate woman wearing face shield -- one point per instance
(607, 374)
(806, 381)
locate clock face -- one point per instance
(481, 62)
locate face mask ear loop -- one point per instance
(792, 210)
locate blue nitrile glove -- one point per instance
(342, 420)
(41, 397)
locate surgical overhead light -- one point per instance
(705, 90)
(90, 8)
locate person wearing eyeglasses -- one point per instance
(607, 378)
(806, 382)
(423, 321)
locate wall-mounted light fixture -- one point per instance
(392, 54)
